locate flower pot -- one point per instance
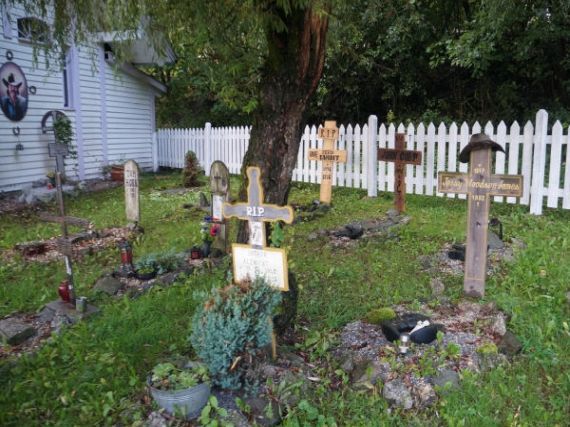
(187, 403)
(205, 249)
(118, 173)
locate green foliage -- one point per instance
(166, 376)
(378, 315)
(277, 236)
(212, 414)
(160, 262)
(192, 170)
(488, 348)
(231, 327)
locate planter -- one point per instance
(117, 173)
(187, 403)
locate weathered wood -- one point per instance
(480, 185)
(401, 157)
(220, 188)
(131, 182)
(328, 156)
(69, 220)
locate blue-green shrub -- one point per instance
(231, 327)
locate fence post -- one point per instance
(155, 151)
(371, 152)
(206, 161)
(538, 163)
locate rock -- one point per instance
(32, 195)
(397, 394)
(498, 324)
(263, 416)
(60, 321)
(509, 344)
(392, 214)
(494, 242)
(108, 284)
(236, 419)
(312, 236)
(437, 286)
(352, 231)
(374, 371)
(469, 310)
(14, 331)
(489, 361)
(28, 249)
(446, 379)
(168, 278)
(423, 393)
(155, 419)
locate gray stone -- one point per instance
(437, 286)
(32, 195)
(14, 331)
(498, 325)
(262, 415)
(494, 242)
(312, 236)
(397, 394)
(236, 418)
(509, 344)
(374, 371)
(108, 284)
(168, 278)
(392, 214)
(423, 393)
(446, 379)
(61, 308)
(489, 361)
(155, 419)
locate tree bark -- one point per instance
(290, 77)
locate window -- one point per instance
(33, 29)
(67, 74)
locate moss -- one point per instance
(488, 348)
(378, 315)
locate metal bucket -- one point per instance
(187, 403)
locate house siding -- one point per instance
(111, 115)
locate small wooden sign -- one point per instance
(401, 157)
(480, 185)
(131, 178)
(220, 188)
(329, 156)
(255, 259)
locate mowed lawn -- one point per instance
(94, 373)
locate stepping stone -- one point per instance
(108, 284)
(67, 310)
(14, 331)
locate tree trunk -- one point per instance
(290, 77)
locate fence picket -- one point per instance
(430, 159)
(555, 157)
(420, 170)
(441, 152)
(500, 157)
(566, 191)
(382, 143)
(452, 152)
(410, 178)
(514, 143)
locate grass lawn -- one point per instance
(94, 372)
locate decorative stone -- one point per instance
(397, 394)
(437, 286)
(509, 344)
(494, 242)
(423, 393)
(374, 371)
(14, 331)
(499, 326)
(68, 312)
(155, 419)
(489, 361)
(108, 284)
(264, 416)
(446, 378)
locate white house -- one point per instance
(111, 108)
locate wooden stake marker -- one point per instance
(479, 184)
(256, 259)
(328, 155)
(401, 157)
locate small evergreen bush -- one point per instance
(191, 170)
(230, 329)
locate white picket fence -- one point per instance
(533, 153)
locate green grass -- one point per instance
(94, 373)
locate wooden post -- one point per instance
(401, 157)
(479, 185)
(328, 155)
(131, 183)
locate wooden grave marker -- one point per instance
(401, 157)
(480, 185)
(256, 259)
(131, 182)
(329, 156)
(220, 188)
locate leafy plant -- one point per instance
(159, 262)
(212, 412)
(230, 328)
(166, 376)
(277, 236)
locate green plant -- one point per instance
(166, 376)
(379, 315)
(487, 348)
(212, 414)
(159, 262)
(62, 130)
(191, 170)
(277, 236)
(230, 328)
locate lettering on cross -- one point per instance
(255, 259)
(479, 185)
(329, 156)
(401, 157)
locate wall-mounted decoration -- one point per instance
(13, 92)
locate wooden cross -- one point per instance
(255, 211)
(401, 157)
(328, 155)
(479, 184)
(59, 151)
